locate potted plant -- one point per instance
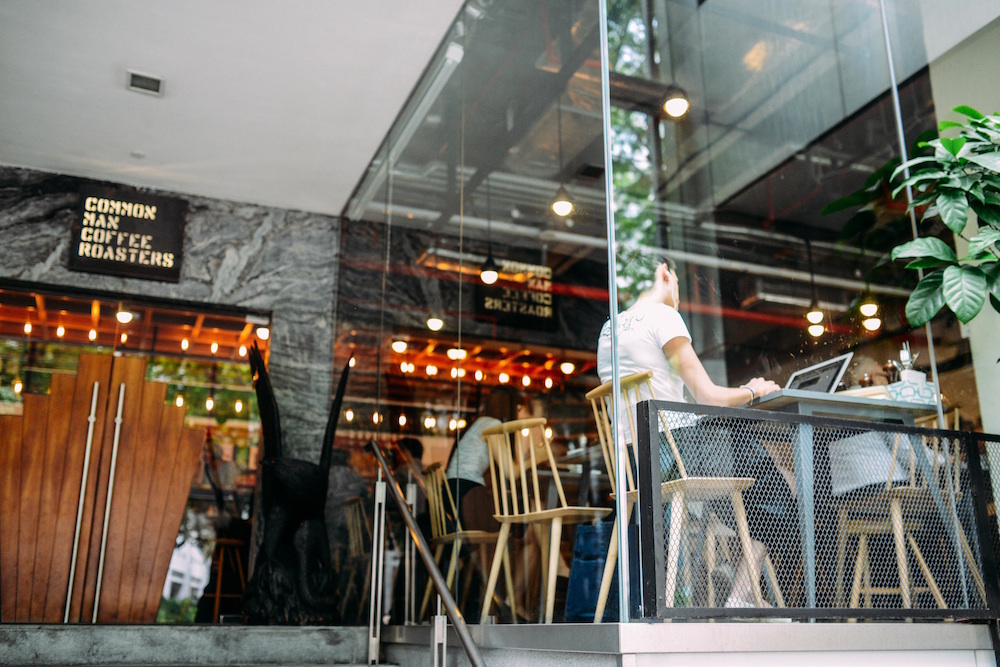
(960, 174)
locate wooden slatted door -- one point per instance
(49, 513)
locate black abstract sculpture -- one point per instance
(293, 581)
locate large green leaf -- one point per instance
(989, 161)
(953, 208)
(910, 164)
(992, 273)
(953, 146)
(989, 215)
(925, 246)
(926, 263)
(925, 300)
(968, 111)
(928, 176)
(964, 289)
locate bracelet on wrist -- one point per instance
(752, 394)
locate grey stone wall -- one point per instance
(234, 254)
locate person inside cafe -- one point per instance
(652, 335)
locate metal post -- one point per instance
(378, 560)
(107, 504)
(79, 504)
(409, 564)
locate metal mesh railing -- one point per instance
(780, 514)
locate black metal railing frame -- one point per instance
(650, 517)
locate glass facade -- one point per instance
(769, 193)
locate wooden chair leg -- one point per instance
(495, 570)
(926, 571)
(905, 590)
(674, 544)
(859, 567)
(608, 576)
(553, 567)
(772, 578)
(744, 533)
(509, 582)
(708, 553)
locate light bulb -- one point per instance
(869, 308)
(18, 386)
(123, 338)
(242, 351)
(215, 347)
(454, 373)
(179, 401)
(567, 367)
(403, 367)
(376, 417)
(462, 423)
(676, 106)
(504, 378)
(489, 276)
(872, 323)
(561, 205)
(526, 381)
(349, 415)
(456, 353)
(399, 346)
(60, 331)
(27, 327)
(435, 323)
(209, 403)
(238, 406)
(263, 333)
(432, 370)
(816, 330)
(184, 343)
(92, 334)
(402, 420)
(548, 432)
(479, 376)
(351, 362)
(814, 316)
(452, 424)
(429, 422)
(124, 316)
(548, 383)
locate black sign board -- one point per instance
(521, 298)
(128, 233)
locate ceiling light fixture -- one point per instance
(489, 273)
(399, 346)
(435, 322)
(567, 367)
(815, 315)
(124, 315)
(92, 334)
(27, 327)
(238, 406)
(185, 344)
(872, 323)
(561, 204)
(60, 331)
(676, 103)
(263, 333)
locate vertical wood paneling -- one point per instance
(148, 427)
(10, 512)
(132, 370)
(91, 368)
(59, 399)
(34, 423)
(161, 472)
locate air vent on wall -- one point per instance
(144, 83)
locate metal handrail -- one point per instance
(471, 650)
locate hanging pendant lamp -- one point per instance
(561, 203)
(489, 272)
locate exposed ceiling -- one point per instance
(274, 103)
(280, 104)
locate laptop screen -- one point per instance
(823, 377)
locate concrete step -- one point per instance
(189, 645)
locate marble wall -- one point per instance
(235, 254)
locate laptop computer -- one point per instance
(823, 377)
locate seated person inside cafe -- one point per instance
(652, 336)
(469, 459)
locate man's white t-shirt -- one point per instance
(643, 330)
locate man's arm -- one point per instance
(684, 359)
